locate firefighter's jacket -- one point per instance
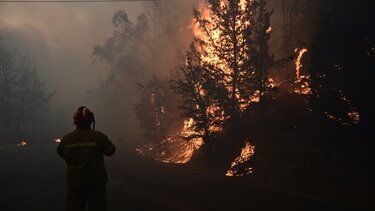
(82, 150)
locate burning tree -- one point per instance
(227, 66)
(260, 61)
(202, 94)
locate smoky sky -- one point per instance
(60, 38)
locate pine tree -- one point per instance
(227, 65)
(257, 39)
(201, 94)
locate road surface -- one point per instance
(32, 178)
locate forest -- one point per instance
(272, 93)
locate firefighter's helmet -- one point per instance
(84, 117)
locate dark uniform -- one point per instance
(82, 150)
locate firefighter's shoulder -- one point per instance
(68, 136)
(99, 134)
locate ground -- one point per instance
(32, 178)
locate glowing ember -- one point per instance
(238, 167)
(57, 140)
(22, 143)
(354, 117)
(330, 116)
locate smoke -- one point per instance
(152, 46)
(60, 38)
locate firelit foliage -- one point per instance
(200, 90)
(227, 65)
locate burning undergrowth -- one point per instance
(241, 166)
(347, 115)
(178, 148)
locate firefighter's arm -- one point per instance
(109, 147)
(60, 150)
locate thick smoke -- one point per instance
(60, 37)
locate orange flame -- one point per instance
(298, 63)
(246, 153)
(302, 81)
(175, 148)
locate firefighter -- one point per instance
(83, 149)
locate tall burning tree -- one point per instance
(227, 66)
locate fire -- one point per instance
(237, 167)
(212, 36)
(302, 81)
(218, 116)
(186, 149)
(57, 140)
(177, 148)
(183, 152)
(187, 130)
(22, 143)
(298, 63)
(302, 84)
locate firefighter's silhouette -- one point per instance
(83, 149)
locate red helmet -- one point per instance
(84, 117)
